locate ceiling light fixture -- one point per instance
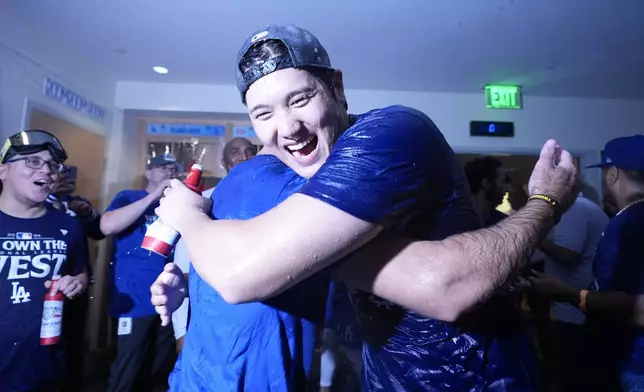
(160, 70)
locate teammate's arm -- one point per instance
(610, 304)
(261, 257)
(444, 279)
(621, 246)
(121, 214)
(467, 267)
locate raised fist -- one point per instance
(555, 175)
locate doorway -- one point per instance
(86, 151)
(520, 167)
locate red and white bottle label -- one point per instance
(159, 238)
(52, 320)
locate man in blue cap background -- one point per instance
(144, 349)
(617, 358)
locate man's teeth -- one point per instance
(301, 145)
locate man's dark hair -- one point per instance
(272, 48)
(479, 169)
(635, 176)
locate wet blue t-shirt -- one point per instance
(393, 167)
(341, 316)
(261, 346)
(133, 269)
(619, 266)
(32, 251)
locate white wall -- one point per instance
(581, 125)
(21, 82)
(21, 88)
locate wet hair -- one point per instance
(273, 48)
(479, 169)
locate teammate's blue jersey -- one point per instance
(393, 167)
(261, 346)
(619, 266)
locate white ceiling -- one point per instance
(587, 48)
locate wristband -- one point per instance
(582, 300)
(552, 202)
(545, 198)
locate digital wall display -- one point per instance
(492, 128)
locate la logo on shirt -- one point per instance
(26, 260)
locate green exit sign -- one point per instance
(503, 97)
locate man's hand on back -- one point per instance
(554, 175)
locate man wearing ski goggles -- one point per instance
(37, 243)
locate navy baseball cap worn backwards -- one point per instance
(625, 153)
(304, 50)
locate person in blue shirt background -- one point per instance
(36, 244)
(258, 346)
(615, 346)
(389, 168)
(342, 343)
(144, 349)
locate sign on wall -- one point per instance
(503, 97)
(244, 131)
(187, 129)
(73, 100)
(492, 128)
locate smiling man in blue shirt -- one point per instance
(390, 168)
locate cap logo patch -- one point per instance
(268, 66)
(608, 160)
(258, 36)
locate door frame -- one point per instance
(590, 177)
(94, 329)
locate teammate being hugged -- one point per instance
(36, 244)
